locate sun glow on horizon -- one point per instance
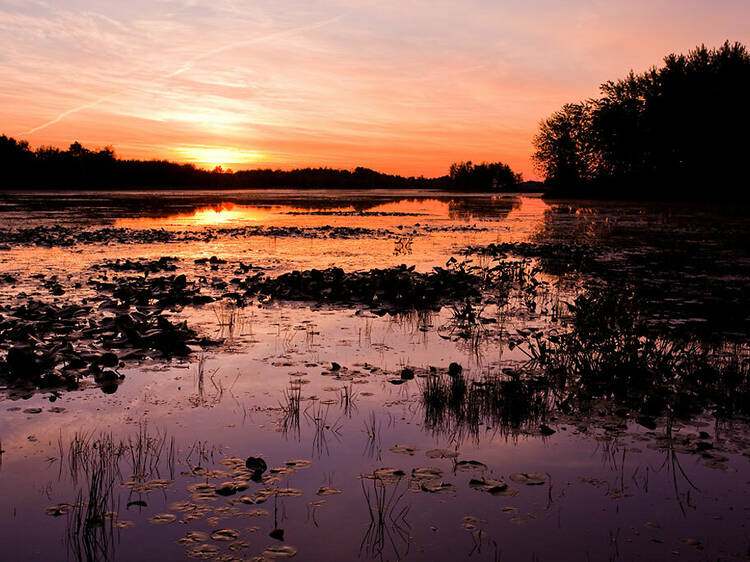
(404, 87)
(212, 156)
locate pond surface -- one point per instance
(440, 430)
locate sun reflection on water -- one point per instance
(223, 214)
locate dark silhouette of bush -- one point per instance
(81, 168)
(675, 132)
(495, 176)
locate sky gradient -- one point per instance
(405, 87)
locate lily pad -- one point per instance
(238, 545)
(58, 509)
(492, 486)
(403, 449)
(328, 491)
(529, 478)
(226, 489)
(225, 535)
(470, 466)
(437, 487)
(426, 473)
(389, 475)
(193, 537)
(275, 552)
(203, 551)
(163, 518)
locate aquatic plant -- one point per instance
(612, 351)
(317, 417)
(348, 399)
(232, 320)
(510, 403)
(97, 464)
(388, 527)
(290, 408)
(372, 428)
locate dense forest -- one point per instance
(675, 132)
(81, 168)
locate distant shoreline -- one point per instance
(519, 190)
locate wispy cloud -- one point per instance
(400, 86)
(188, 65)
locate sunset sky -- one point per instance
(405, 87)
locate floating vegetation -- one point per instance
(426, 473)
(274, 552)
(570, 348)
(163, 518)
(193, 537)
(203, 551)
(437, 487)
(529, 478)
(388, 475)
(403, 449)
(388, 289)
(492, 487)
(470, 466)
(225, 535)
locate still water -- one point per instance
(334, 397)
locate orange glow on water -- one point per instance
(224, 214)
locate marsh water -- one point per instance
(438, 431)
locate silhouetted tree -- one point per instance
(564, 147)
(495, 176)
(81, 168)
(672, 132)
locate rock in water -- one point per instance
(257, 465)
(546, 430)
(21, 362)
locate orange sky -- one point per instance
(405, 87)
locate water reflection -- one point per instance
(222, 214)
(355, 394)
(374, 212)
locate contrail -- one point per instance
(187, 66)
(64, 114)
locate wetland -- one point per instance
(372, 375)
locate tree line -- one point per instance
(679, 131)
(82, 168)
